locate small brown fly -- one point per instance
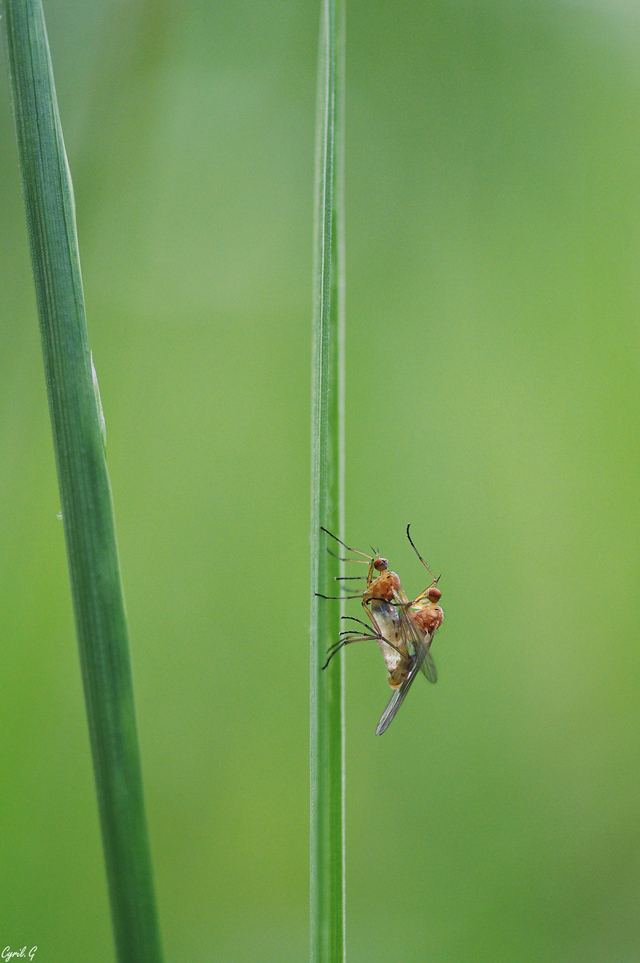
(380, 601)
(403, 628)
(423, 618)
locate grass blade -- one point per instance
(327, 502)
(84, 484)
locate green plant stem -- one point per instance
(84, 484)
(327, 496)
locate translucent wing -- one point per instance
(422, 662)
(428, 667)
(419, 645)
(396, 701)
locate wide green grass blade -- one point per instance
(327, 498)
(84, 484)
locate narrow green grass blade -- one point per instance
(84, 484)
(327, 499)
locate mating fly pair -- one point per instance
(403, 628)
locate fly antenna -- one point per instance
(419, 555)
(344, 544)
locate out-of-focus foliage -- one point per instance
(493, 227)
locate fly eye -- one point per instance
(380, 563)
(434, 594)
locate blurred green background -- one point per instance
(493, 352)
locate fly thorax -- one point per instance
(386, 586)
(429, 618)
(394, 583)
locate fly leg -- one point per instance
(354, 635)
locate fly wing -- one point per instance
(422, 662)
(428, 666)
(420, 645)
(396, 701)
